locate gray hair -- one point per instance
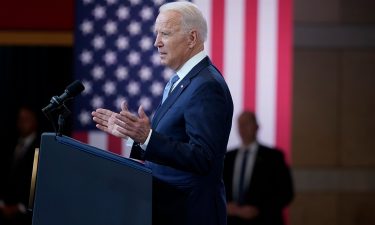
(192, 17)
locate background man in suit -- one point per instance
(261, 186)
(186, 141)
(14, 196)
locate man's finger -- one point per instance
(141, 112)
(124, 106)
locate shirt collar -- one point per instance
(251, 147)
(188, 66)
(29, 139)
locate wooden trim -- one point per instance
(334, 179)
(55, 38)
(331, 36)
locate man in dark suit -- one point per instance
(186, 141)
(257, 180)
(14, 196)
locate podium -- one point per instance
(77, 184)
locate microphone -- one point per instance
(57, 101)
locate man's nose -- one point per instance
(157, 42)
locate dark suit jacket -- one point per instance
(270, 189)
(187, 148)
(18, 178)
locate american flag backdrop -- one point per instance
(250, 41)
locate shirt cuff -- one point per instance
(128, 147)
(144, 145)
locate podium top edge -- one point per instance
(95, 151)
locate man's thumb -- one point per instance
(124, 106)
(141, 112)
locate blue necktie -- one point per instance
(241, 185)
(168, 87)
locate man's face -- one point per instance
(247, 128)
(171, 40)
(26, 122)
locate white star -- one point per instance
(122, 12)
(122, 43)
(121, 73)
(155, 59)
(145, 43)
(111, 2)
(134, 58)
(87, 1)
(110, 58)
(158, 2)
(146, 13)
(145, 73)
(118, 101)
(97, 72)
(99, 12)
(98, 42)
(167, 73)
(134, 28)
(109, 88)
(156, 88)
(110, 27)
(133, 88)
(86, 57)
(145, 102)
(97, 102)
(84, 117)
(88, 87)
(86, 27)
(135, 2)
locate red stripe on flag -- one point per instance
(250, 42)
(80, 136)
(284, 81)
(114, 144)
(217, 31)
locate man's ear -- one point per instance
(193, 37)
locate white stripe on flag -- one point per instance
(206, 8)
(233, 59)
(98, 139)
(266, 75)
(101, 140)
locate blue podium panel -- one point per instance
(78, 184)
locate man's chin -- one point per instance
(163, 62)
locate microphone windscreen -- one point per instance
(75, 88)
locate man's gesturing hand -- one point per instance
(136, 127)
(105, 121)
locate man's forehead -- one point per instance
(168, 19)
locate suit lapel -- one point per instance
(162, 109)
(169, 102)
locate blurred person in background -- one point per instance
(257, 179)
(15, 185)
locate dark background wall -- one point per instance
(36, 58)
(333, 144)
(31, 75)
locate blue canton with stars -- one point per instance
(115, 58)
